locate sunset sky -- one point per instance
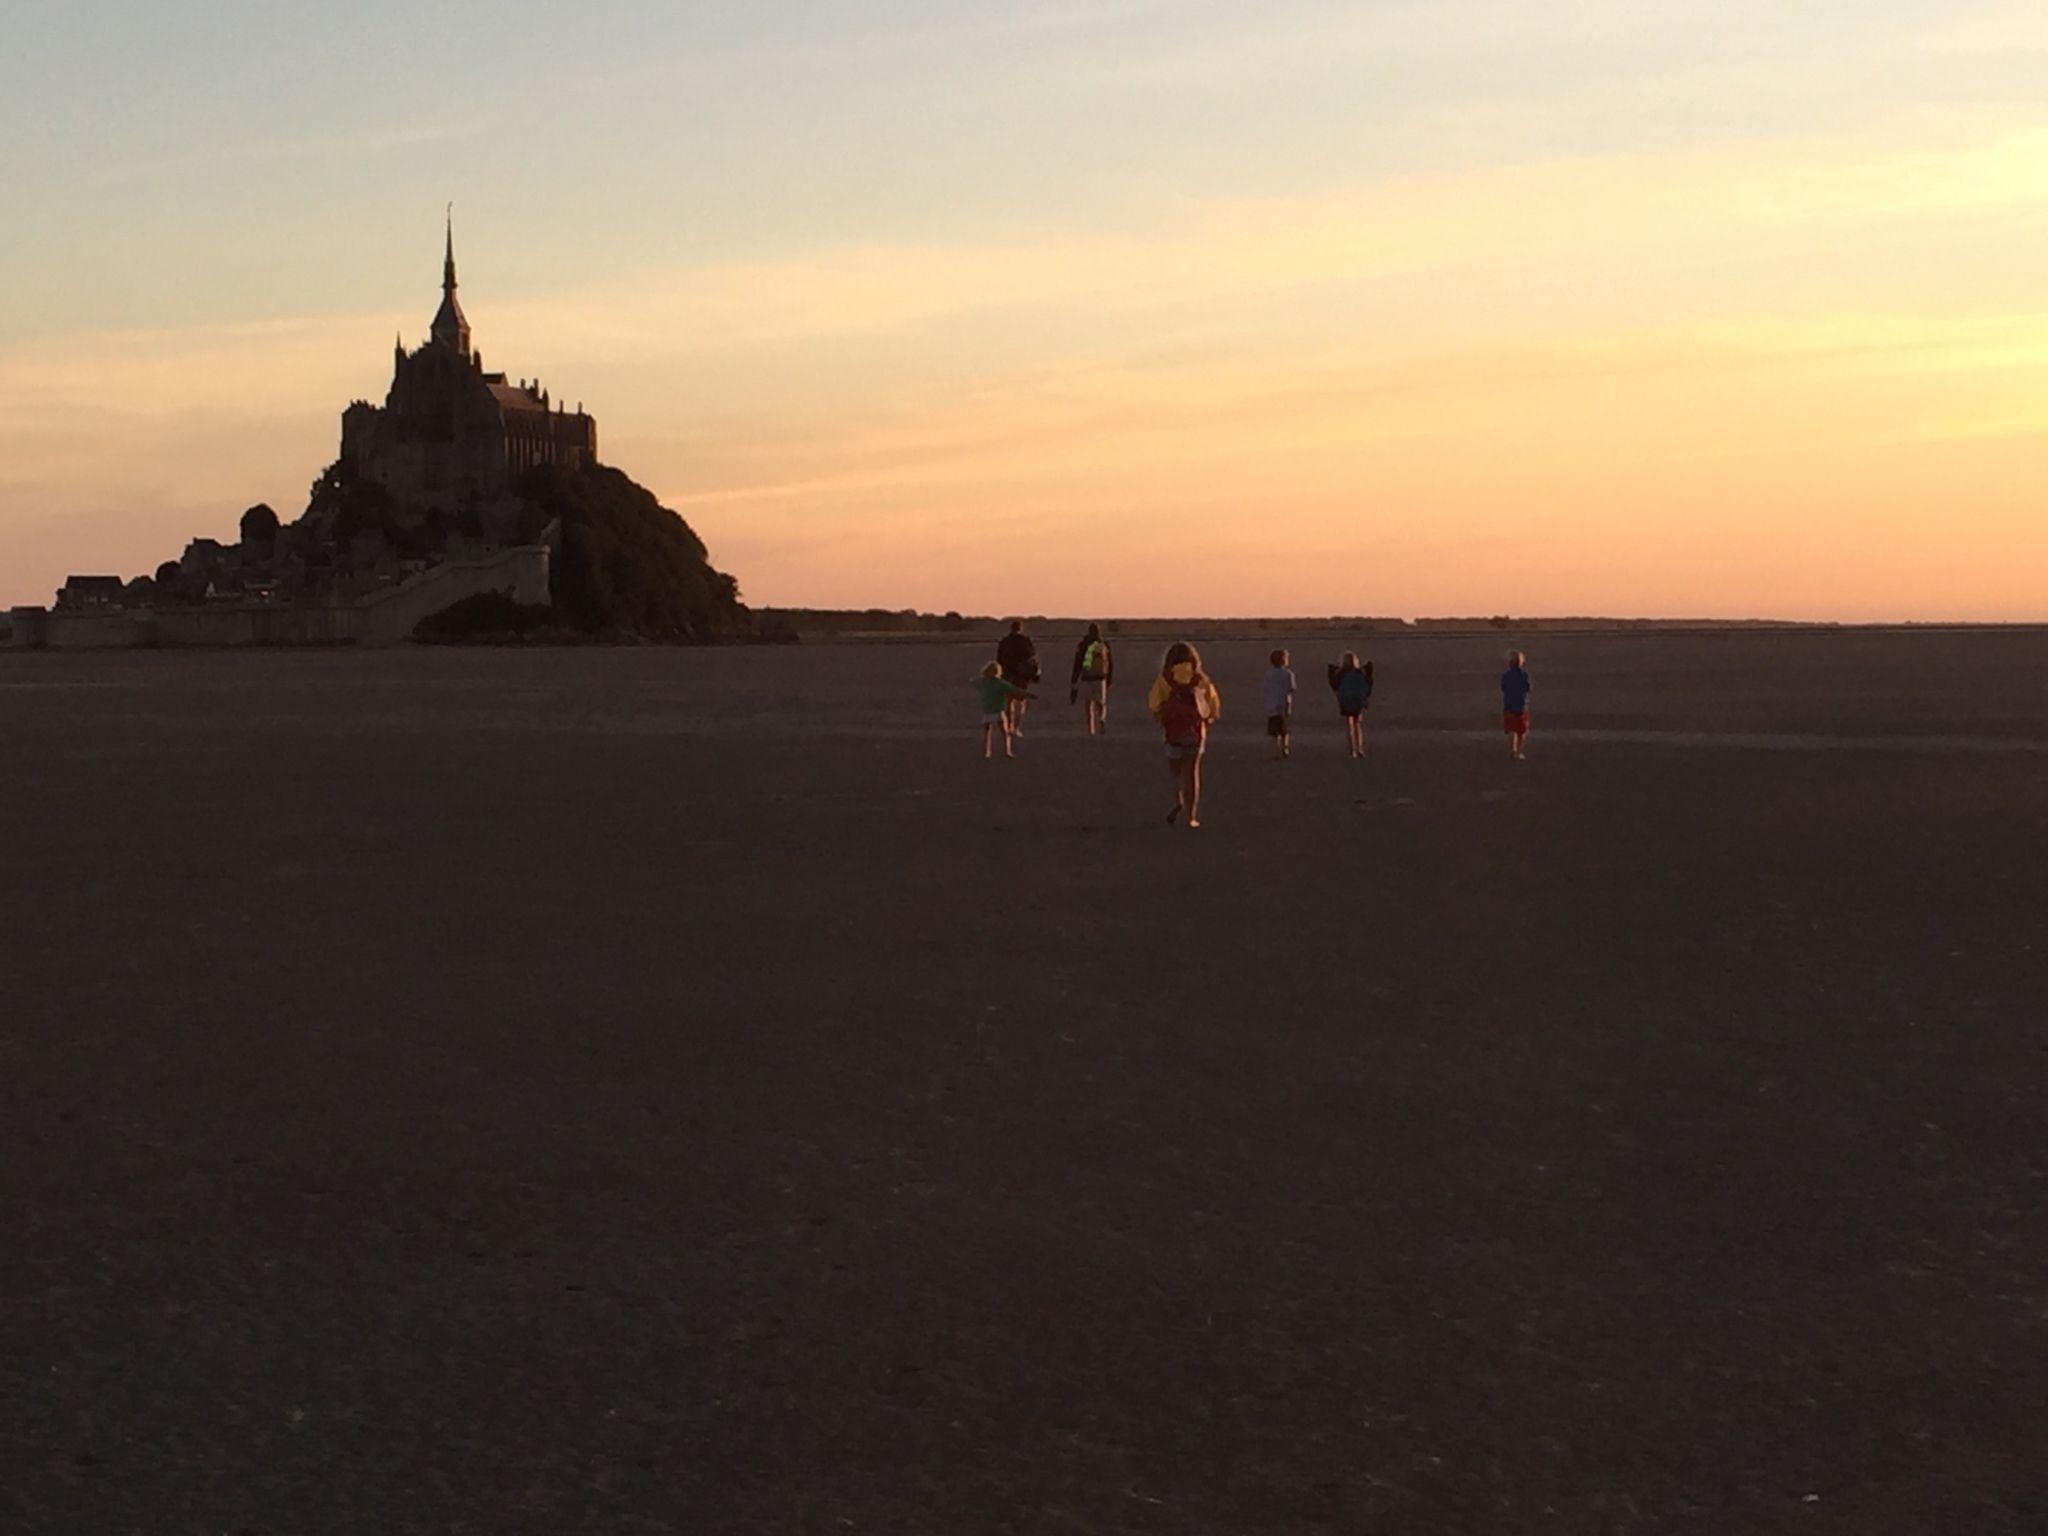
(1662, 307)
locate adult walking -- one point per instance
(1017, 657)
(1089, 680)
(1185, 703)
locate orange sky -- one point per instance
(1791, 367)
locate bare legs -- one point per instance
(1186, 773)
(1515, 741)
(1097, 712)
(1354, 732)
(988, 736)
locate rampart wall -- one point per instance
(383, 618)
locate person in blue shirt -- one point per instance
(1514, 703)
(1277, 689)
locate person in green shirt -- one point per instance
(995, 692)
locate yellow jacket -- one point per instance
(1183, 673)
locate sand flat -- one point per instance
(618, 1090)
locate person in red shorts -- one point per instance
(1514, 703)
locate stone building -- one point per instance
(80, 593)
(450, 435)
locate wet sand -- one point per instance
(691, 1091)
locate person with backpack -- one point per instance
(1185, 703)
(1351, 681)
(1017, 660)
(1091, 674)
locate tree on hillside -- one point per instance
(345, 503)
(625, 563)
(259, 525)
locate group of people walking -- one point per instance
(1005, 685)
(1185, 703)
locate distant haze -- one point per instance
(1627, 306)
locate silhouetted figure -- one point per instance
(1351, 681)
(1017, 659)
(1514, 703)
(1277, 692)
(1093, 666)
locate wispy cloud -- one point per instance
(1741, 203)
(2001, 28)
(962, 36)
(1226, 268)
(250, 149)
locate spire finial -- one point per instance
(448, 265)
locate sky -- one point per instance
(1627, 307)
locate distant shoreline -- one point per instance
(872, 625)
(827, 627)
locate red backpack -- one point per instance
(1186, 715)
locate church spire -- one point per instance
(450, 328)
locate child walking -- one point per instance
(1514, 703)
(1351, 681)
(996, 693)
(1277, 688)
(1186, 704)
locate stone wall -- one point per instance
(383, 618)
(388, 617)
